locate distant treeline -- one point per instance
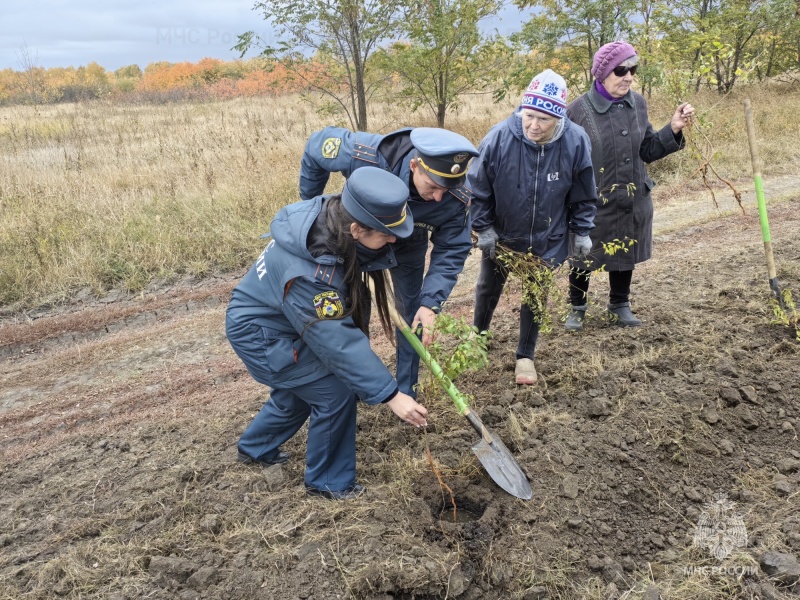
(209, 78)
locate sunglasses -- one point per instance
(621, 71)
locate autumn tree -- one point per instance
(126, 78)
(8, 79)
(571, 31)
(445, 54)
(781, 40)
(130, 71)
(341, 34)
(721, 42)
(32, 86)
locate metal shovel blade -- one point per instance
(505, 473)
(498, 461)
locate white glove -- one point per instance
(581, 245)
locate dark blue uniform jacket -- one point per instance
(284, 317)
(446, 223)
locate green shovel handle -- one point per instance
(444, 380)
(759, 187)
(426, 357)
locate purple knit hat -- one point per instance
(610, 56)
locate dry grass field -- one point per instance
(100, 196)
(107, 196)
(123, 231)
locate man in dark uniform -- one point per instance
(433, 163)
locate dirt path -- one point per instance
(118, 423)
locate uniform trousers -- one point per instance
(407, 280)
(331, 446)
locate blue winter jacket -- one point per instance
(285, 320)
(532, 194)
(445, 223)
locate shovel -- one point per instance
(490, 450)
(762, 205)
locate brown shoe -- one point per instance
(525, 372)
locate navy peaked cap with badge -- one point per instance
(378, 199)
(444, 155)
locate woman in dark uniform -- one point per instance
(299, 321)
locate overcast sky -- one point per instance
(116, 33)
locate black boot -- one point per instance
(575, 318)
(621, 315)
(278, 458)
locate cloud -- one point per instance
(116, 33)
(122, 32)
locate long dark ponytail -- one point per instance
(359, 296)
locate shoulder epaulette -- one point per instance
(325, 273)
(365, 153)
(462, 193)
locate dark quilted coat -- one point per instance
(623, 140)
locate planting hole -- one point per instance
(466, 511)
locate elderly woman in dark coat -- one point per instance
(623, 140)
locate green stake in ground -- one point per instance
(490, 450)
(762, 205)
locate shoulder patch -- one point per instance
(330, 147)
(328, 305)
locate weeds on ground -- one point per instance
(785, 312)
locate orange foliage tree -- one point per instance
(210, 77)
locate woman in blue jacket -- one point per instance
(532, 186)
(299, 321)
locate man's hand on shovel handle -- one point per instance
(408, 409)
(425, 318)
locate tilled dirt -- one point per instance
(119, 419)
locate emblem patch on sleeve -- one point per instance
(328, 305)
(330, 147)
